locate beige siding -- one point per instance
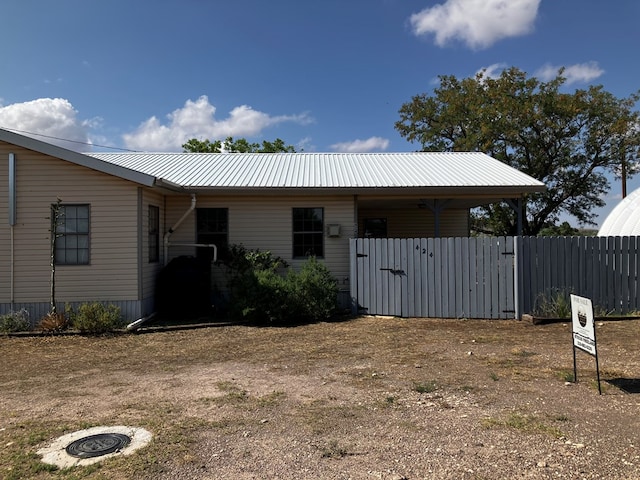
(266, 223)
(150, 270)
(112, 273)
(417, 222)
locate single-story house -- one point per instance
(125, 215)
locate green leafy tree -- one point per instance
(569, 141)
(240, 145)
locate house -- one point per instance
(127, 214)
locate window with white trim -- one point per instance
(308, 232)
(72, 234)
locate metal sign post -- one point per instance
(584, 332)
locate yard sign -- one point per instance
(584, 332)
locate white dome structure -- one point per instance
(624, 219)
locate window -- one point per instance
(375, 228)
(308, 232)
(154, 234)
(213, 228)
(72, 234)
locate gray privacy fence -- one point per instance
(491, 277)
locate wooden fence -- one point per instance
(492, 277)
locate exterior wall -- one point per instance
(266, 223)
(417, 222)
(149, 270)
(111, 276)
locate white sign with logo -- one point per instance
(584, 333)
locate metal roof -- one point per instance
(325, 170)
(110, 168)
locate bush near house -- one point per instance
(262, 294)
(95, 318)
(15, 322)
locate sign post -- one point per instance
(584, 332)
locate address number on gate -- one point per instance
(424, 250)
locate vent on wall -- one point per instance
(333, 230)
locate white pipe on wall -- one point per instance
(175, 226)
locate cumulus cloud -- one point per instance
(53, 119)
(197, 120)
(478, 23)
(578, 73)
(361, 146)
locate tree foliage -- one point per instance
(240, 145)
(569, 141)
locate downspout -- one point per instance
(12, 222)
(175, 226)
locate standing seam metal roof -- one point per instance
(324, 170)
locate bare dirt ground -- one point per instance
(368, 398)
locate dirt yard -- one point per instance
(368, 398)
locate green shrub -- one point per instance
(96, 318)
(261, 295)
(316, 290)
(15, 322)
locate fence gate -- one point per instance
(434, 277)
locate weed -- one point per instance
(334, 450)
(494, 376)
(53, 322)
(524, 423)
(554, 304)
(233, 393)
(566, 376)
(520, 352)
(271, 399)
(424, 387)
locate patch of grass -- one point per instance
(425, 387)
(520, 352)
(271, 399)
(523, 423)
(566, 375)
(233, 393)
(334, 450)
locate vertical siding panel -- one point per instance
(431, 277)
(465, 285)
(407, 290)
(425, 287)
(459, 280)
(473, 279)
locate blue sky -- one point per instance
(326, 75)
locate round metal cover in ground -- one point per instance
(93, 446)
(98, 445)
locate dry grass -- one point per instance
(335, 390)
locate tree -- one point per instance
(240, 145)
(569, 141)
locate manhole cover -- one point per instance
(97, 445)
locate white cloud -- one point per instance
(478, 23)
(53, 118)
(361, 146)
(197, 120)
(492, 71)
(578, 73)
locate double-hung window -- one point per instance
(308, 232)
(213, 228)
(70, 225)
